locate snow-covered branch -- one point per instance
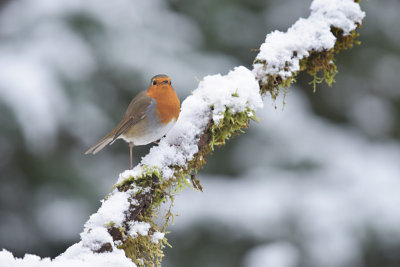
(123, 231)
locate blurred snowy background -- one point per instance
(314, 185)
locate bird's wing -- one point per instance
(122, 127)
(136, 112)
(138, 105)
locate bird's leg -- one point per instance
(131, 148)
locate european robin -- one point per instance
(150, 115)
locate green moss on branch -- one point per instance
(317, 62)
(151, 190)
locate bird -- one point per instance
(149, 116)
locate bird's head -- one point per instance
(160, 87)
(160, 80)
(161, 90)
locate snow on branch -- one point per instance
(309, 45)
(282, 51)
(123, 232)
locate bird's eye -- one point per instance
(154, 82)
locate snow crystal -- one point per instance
(157, 236)
(111, 210)
(283, 51)
(129, 173)
(95, 237)
(136, 228)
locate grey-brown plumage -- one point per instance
(150, 115)
(134, 114)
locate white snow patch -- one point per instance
(129, 173)
(282, 51)
(112, 210)
(238, 91)
(157, 236)
(136, 228)
(76, 255)
(95, 237)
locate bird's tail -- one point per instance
(110, 138)
(101, 144)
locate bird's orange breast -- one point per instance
(167, 102)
